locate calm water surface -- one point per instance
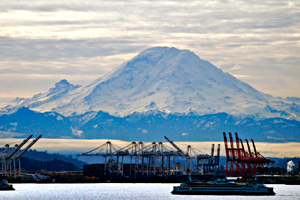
(121, 191)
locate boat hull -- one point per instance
(232, 192)
(4, 185)
(7, 188)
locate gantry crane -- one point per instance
(242, 162)
(9, 159)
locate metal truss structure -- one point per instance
(239, 161)
(10, 157)
(155, 159)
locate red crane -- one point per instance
(241, 162)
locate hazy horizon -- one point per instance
(74, 146)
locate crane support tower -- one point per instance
(11, 163)
(139, 159)
(240, 161)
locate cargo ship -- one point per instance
(222, 187)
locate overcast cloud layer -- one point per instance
(280, 150)
(42, 42)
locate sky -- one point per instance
(43, 42)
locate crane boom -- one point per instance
(256, 154)
(243, 149)
(218, 154)
(238, 145)
(250, 153)
(18, 148)
(232, 148)
(28, 147)
(226, 145)
(175, 146)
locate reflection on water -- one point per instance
(120, 191)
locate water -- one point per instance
(120, 191)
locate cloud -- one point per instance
(58, 49)
(280, 150)
(279, 77)
(67, 38)
(144, 131)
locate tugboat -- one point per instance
(4, 185)
(222, 187)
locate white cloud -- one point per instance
(144, 131)
(65, 39)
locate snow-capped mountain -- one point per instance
(43, 101)
(162, 79)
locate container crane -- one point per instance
(28, 147)
(24, 151)
(18, 148)
(6, 162)
(176, 147)
(240, 160)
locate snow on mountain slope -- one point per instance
(42, 101)
(164, 79)
(174, 81)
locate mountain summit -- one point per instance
(171, 80)
(162, 79)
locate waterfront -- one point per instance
(140, 191)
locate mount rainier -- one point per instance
(165, 83)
